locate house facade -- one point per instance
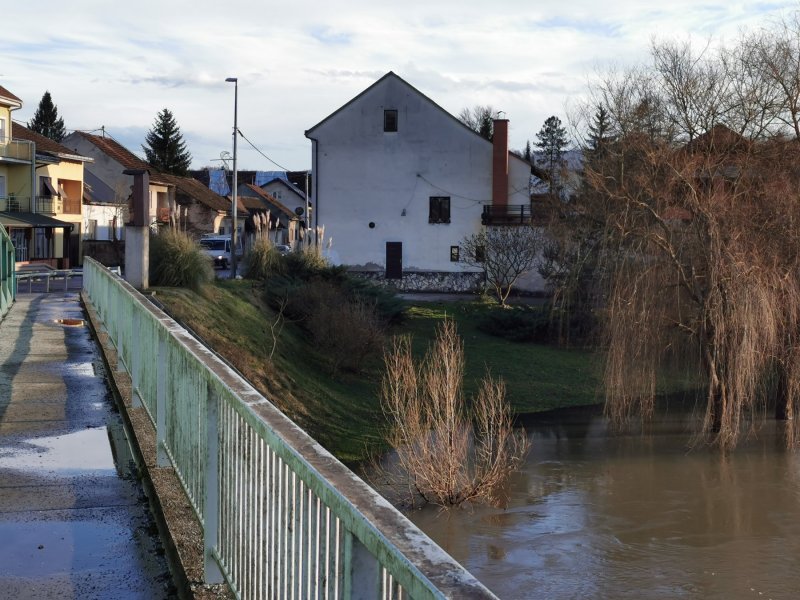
(41, 185)
(110, 161)
(268, 217)
(398, 182)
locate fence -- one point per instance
(8, 288)
(281, 516)
(47, 280)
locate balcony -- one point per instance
(506, 214)
(16, 151)
(48, 205)
(15, 204)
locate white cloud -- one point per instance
(298, 62)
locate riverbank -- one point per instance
(342, 411)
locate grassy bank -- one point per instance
(343, 412)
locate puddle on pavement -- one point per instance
(79, 452)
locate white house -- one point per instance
(398, 182)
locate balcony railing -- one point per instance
(15, 204)
(506, 214)
(17, 150)
(48, 205)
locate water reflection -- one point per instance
(635, 516)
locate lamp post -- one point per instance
(235, 82)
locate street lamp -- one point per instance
(235, 82)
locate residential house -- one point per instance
(111, 160)
(268, 215)
(398, 182)
(41, 184)
(180, 201)
(287, 193)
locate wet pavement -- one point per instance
(74, 521)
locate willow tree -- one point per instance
(700, 229)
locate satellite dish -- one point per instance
(299, 211)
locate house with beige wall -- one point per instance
(41, 186)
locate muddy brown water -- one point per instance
(595, 514)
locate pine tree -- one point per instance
(528, 154)
(599, 130)
(165, 149)
(552, 141)
(46, 120)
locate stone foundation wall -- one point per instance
(426, 281)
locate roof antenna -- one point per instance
(103, 130)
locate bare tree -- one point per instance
(504, 253)
(698, 231)
(480, 119)
(447, 453)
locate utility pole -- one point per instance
(235, 82)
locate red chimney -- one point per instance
(500, 163)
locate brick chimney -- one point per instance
(500, 163)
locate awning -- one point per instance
(51, 191)
(29, 220)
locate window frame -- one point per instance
(455, 254)
(439, 210)
(390, 120)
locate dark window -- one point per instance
(454, 254)
(480, 254)
(439, 210)
(390, 120)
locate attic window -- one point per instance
(390, 120)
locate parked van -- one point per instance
(218, 247)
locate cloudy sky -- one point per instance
(117, 64)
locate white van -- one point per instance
(218, 247)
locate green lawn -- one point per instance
(342, 412)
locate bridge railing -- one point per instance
(8, 288)
(281, 516)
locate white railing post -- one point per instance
(362, 570)
(162, 459)
(211, 570)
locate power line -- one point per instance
(260, 152)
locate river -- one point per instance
(593, 514)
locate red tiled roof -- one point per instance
(116, 151)
(191, 188)
(43, 144)
(4, 93)
(125, 157)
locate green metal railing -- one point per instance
(8, 266)
(281, 516)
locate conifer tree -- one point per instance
(165, 149)
(46, 120)
(552, 142)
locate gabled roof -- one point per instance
(719, 138)
(8, 98)
(287, 184)
(45, 144)
(265, 201)
(393, 75)
(195, 190)
(123, 156)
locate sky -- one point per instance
(116, 65)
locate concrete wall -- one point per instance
(364, 175)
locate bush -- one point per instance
(176, 260)
(347, 332)
(264, 260)
(518, 324)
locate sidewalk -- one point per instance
(74, 521)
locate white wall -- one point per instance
(363, 175)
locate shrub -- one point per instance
(518, 324)
(264, 260)
(447, 454)
(176, 260)
(347, 332)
